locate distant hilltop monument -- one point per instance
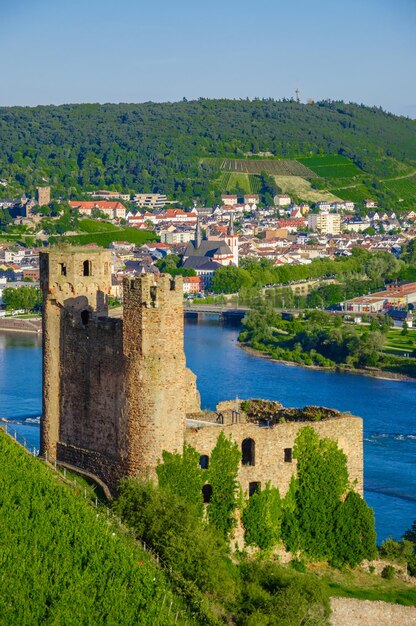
(117, 392)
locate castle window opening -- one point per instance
(207, 493)
(85, 317)
(253, 488)
(63, 268)
(87, 268)
(172, 285)
(153, 294)
(204, 461)
(248, 452)
(288, 455)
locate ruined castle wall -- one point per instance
(159, 388)
(92, 385)
(270, 444)
(77, 283)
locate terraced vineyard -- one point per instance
(404, 188)
(331, 166)
(336, 177)
(230, 180)
(273, 167)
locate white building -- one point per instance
(282, 199)
(325, 222)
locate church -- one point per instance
(205, 255)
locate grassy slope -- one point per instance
(61, 563)
(399, 344)
(365, 586)
(103, 233)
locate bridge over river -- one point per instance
(235, 311)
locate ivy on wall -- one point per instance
(326, 520)
(182, 475)
(262, 517)
(222, 475)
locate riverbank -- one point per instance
(340, 369)
(21, 325)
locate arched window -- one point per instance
(204, 461)
(87, 268)
(207, 493)
(85, 317)
(248, 452)
(253, 488)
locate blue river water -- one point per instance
(225, 371)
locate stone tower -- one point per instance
(160, 390)
(43, 195)
(115, 391)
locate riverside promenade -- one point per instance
(21, 325)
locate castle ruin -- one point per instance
(117, 392)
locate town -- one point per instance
(199, 241)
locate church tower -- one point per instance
(232, 240)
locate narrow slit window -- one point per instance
(87, 268)
(63, 268)
(288, 455)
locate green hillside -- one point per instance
(168, 147)
(62, 563)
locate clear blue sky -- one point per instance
(57, 51)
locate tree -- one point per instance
(405, 329)
(5, 219)
(26, 298)
(230, 279)
(355, 532)
(326, 520)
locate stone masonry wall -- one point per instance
(160, 390)
(92, 385)
(270, 444)
(75, 281)
(115, 392)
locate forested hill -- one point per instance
(159, 147)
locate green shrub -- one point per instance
(272, 594)
(174, 529)
(318, 520)
(388, 572)
(64, 563)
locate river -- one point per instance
(225, 371)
